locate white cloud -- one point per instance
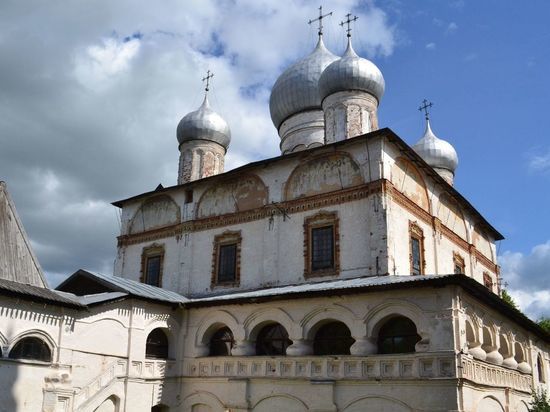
(540, 163)
(95, 92)
(528, 279)
(431, 46)
(451, 27)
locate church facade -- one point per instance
(347, 274)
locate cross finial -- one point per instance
(425, 108)
(206, 79)
(320, 18)
(348, 21)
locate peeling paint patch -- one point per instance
(244, 193)
(324, 174)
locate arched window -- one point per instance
(272, 340)
(31, 348)
(222, 342)
(333, 338)
(540, 369)
(397, 335)
(157, 345)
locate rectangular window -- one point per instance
(416, 256)
(322, 248)
(152, 258)
(459, 266)
(152, 273)
(321, 245)
(227, 263)
(487, 281)
(416, 248)
(226, 259)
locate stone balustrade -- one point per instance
(152, 369)
(402, 366)
(493, 375)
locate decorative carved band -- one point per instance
(485, 261)
(291, 206)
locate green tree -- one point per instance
(539, 402)
(544, 323)
(508, 299)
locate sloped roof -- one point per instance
(38, 294)
(17, 260)
(117, 284)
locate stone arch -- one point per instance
(522, 406)
(157, 211)
(392, 308)
(110, 404)
(324, 314)
(283, 402)
(505, 348)
(3, 344)
(169, 337)
(408, 180)
(541, 373)
(489, 404)
(262, 317)
(488, 339)
(245, 192)
(34, 333)
(214, 321)
(323, 174)
(471, 335)
(450, 214)
(114, 395)
(203, 398)
(377, 403)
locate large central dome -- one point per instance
(297, 89)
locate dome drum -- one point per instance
(349, 114)
(302, 131)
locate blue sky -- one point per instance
(91, 93)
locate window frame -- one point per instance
(151, 347)
(226, 239)
(318, 221)
(458, 261)
(488, 281)
(416, 233)
(150, 252)
(24, 342)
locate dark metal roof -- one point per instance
(385, 132)
(127, 286)
(38, 294)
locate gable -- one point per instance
(158, 211)
(17, 260)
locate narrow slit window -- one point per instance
(227, 263)
(152, 275)
(416, 256)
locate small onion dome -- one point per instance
(352, 72)
(204, 124)
(436, 152)
(297, 89)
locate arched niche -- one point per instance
(285, 403)
(323, 174)
(377, 403)
(407, 179)
(490, 404)
(450, 214)
(482, 243)
(108, 405)
(235, 195)
(155, 212)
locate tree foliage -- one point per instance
(544, 323)
(540, 401)
(508, 299)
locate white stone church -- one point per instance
(347, 274)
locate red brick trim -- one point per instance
(226, 238)
(321, 219)
(149, 252)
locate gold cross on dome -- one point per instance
(425, 108)
(206, 79)
(320, 19)
(348, 21)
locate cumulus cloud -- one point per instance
(91, 94)
(431, 46)
(528, 279)
(451, 28)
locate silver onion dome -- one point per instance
(204, 124)
(352, 72)
(297, 89)
(436, 152)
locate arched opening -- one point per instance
(398, 335)
(540, 369)
(470, 335)
(160, 408)
(272, 340)
(504, 348)
(519, 356)
(157, 345)
(31, 348)
(333, 338)
(221, 342)
(487, 345)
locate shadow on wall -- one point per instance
(9, 374)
